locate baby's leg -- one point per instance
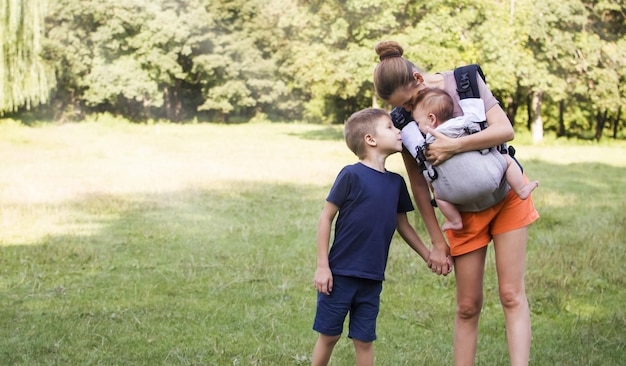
(453, 217)
(516, 180)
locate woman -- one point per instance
(398, 81)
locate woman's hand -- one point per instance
(440, 261)
(442, 149)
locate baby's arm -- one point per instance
(323, 279)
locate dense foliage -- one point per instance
(554, 65)
(25, 79)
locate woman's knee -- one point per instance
(469, 308)
(512, 296)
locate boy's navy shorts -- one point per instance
(357, 296)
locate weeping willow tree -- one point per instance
(25, 79)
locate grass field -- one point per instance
(195, 245)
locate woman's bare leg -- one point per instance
(469, 271)
(510, 249)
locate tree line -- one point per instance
(554, 65)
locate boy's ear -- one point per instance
(369, 139)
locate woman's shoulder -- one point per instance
(449, 83)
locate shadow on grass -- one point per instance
(222, 277)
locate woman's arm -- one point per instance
(421, 193)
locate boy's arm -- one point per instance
(407, 232)
(421, 194)
(323, 279)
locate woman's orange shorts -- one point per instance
(480, 227)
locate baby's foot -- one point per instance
(527, 189)
(449, 225)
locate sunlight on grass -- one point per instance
(195, 245)
(584, 310)
(611, 155)
(554, 199)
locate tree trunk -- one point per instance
(561, 130)
(536, 123)
(600, 122)
(173, 104)
(617, 122)
(529, 112)
(511, 109)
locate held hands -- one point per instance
(323, 280)
(440, 265)
(440, 150)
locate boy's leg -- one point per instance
(363, 317)
(364, 352)
(329, 317)
(323, 349)
(453, 217)
(516, 180)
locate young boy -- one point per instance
(372, 203)
(433, 109)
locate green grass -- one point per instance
(195, 245)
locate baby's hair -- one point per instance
(360, 124)
(437, 102)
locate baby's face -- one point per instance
(423, 118)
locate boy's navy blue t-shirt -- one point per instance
(368, 201)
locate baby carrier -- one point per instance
(473, 180)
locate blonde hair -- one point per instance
(393, 71)
(360, 124)
(437, 102)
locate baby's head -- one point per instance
(433, 106)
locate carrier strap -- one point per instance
(466, 85)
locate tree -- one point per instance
(333, 54)
(237, 60)
(25, 78)
(238, 63)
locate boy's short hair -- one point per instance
(360, 124)
(436, 101)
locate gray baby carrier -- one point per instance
(475, 180)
